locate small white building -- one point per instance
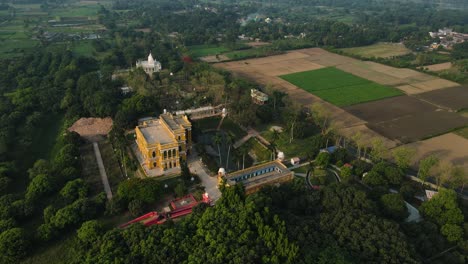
(149, 66)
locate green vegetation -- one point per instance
(251, 53)
(379, 50)
(300, 147)
(340, 88)
(261, 152)
(206, 50)
(462, 132)
(322, 177)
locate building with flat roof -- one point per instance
(165, 141)
(258, 97)
(254, 178)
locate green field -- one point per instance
(340, 88)
(206, 50)
(250, 53)
(379, 50)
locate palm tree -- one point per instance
(217, 141)
(229, 140)
(244, 150)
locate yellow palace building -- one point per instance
(165, 141)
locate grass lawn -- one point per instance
(76, 11)
(462, 132)
(322, 177)
(340, 88)
(379, 50)
(228, 125)
(297, 148)
(111, 165)
(206, 50)
(262, 153)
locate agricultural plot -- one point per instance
(340, 88)
(454, 98)
(379, 50)
(419, 126)
(206, 50)
(449, 147)
(389, 109)
(405, 118)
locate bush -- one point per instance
(146, 190)
(340, 155)
(14, 244)
(323, 159)
(180, 189)
(360, 167)
(394, 206)
(407, 191)
(89, 233)
(136, 207)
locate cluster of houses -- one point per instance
(447, 38)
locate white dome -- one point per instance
(222, 171)
(281, 155)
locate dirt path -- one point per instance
(102, 171)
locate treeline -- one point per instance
(286, 224)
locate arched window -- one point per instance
(165, 154)
(154, 164)
(154, 154)
(173, 152)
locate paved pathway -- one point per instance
(210, 182)
(102, 171)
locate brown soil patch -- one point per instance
(390, 108)
(436, 84)
(213, 58)
(439, 67)
(92, 129)
(454, 98)
(144, 30)
(449, 147)
(257, 44)
(419, 126)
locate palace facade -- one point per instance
(165, 141)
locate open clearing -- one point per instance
(449, 147)
(419, 126)
(379, 50)
(338, 87)
(439, 67)
(414, 118)
(389, 109)
(454, 98)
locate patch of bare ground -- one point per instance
(92, 129)
(449, 147)
(213, 58)
(256, 44)
(439, 67)
(454, 98)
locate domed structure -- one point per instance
(221, 172)
(149, 66)
(281, 156)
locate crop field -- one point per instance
(206, 50)
(389, 109)
(454, 98)
(420, 126)
(379, 50)
(340, 88)
(394, 119)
